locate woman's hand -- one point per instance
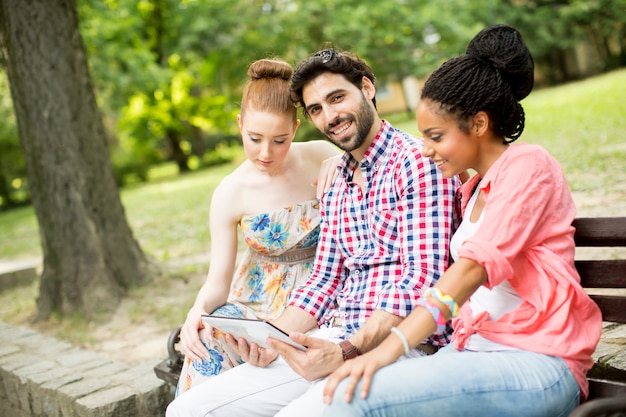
(328, 173)
(190, 334)
(251, 353)
(357, 369)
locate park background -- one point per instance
(167, 77)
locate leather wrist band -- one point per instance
(348, 350)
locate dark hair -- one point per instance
(496, 73)
(350, 66)
(268, 88)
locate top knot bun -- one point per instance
(267, 88)
(269, 68)
(503, 48)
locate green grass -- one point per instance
(169, 216)
(19, 234)
(583, 125)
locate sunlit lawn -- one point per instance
(582, 124)
(169, 216)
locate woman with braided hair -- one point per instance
(524, 329)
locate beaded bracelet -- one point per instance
(435, 313)
(443, 298)
(405, 342)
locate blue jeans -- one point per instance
(452, 383)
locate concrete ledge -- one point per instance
(43, 376)
(610, 354)
(16, 273)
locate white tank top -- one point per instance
(497, 301)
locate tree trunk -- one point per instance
(90, 254)
(172, 138)
(198, 141)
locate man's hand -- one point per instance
(328, 173)
(251, 353)
(321, 358)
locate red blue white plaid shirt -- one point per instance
(380, 246)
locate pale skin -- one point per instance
(454, 151)
(329, 98)
(277, 173)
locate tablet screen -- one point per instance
(256, 331)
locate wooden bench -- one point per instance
(607, 387)
(169, 369)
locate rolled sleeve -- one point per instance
(514, 222)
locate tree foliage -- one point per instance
(168, 73)
(13, 185)
(167, 77)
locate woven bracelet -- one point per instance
(443, 298)
(435, 313)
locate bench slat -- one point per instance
(602, 273)
(606, 406)
(599, 388)
(168, 373)
(600, 231)
(612, 306)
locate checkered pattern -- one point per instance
(380, 246)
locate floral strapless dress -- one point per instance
(279, 257)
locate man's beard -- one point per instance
(364, 121)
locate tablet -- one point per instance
(256, 331)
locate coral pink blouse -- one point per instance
(527, 238)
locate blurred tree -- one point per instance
(603, 23)
(555, 29)
(13, 189)
(90, 255)
(172, 105)
(168, 73)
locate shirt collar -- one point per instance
(375, 151)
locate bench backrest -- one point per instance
(603, 273)
(607, 232)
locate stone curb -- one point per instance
(43, 376)
(18, 273)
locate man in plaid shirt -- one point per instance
(386, 227)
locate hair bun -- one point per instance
(503, 48)
(269, 68)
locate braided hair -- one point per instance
(494, 75)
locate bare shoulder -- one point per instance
(232, 187)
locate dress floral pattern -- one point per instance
(279, 256)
